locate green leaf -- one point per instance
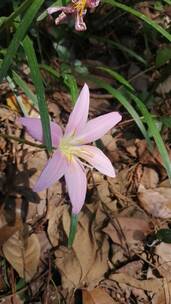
(19, 36)
(71, 83)
(123, 48)
(164, 235)
(118, 77)
(167, 1)
(25, 88)
(73, 229)
(163, 55)
(141, 16)
(50, 70)
(166, 120)
(122, 99)
(154, 132)
(19, 10)
(18, 98)
(37, 80)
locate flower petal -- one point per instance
(79, 115)
(53, 171)
(97, 159)
(97, 127)
(77, 184)
(52, 10)
(80, 25)
(34, 128)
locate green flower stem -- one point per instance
(73, 229)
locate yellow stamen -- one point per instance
(69, 149)
(80, 6)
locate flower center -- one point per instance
(66, 147)
(80, 6)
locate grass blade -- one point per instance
(17, 12)
(155, 133)
(19, 36)
(37, 80)
(25, 88)
(118, 77)
(141, 16)
(122, 99)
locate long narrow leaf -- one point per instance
(37, 80)
(118, 77)
(19, 36)
(155, 133)
(17, 12)
(25, 88)
(122, 99)
(141, 16)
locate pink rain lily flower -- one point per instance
(73, 146)
(78, 8)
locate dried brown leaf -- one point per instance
(86, 262)
(6, 230)
(156, 202)
(97, 296)
(163, 296)
(150, 178)
(150, 285)
(129, 230)
(23, 255)
(163, 250)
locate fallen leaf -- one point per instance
(14, 299)
(156, 202)
(96, 296)
(23, 255)
(163, 296)
(163, 250)
(129, 230)
(86, 263)
(150, 178)
(149, 285)
(6, 230)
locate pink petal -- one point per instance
(79, 115)
(92, 3)
(77, 184)
(53, 171)
(97, 127)
(34, 128)
(60, 18)
(80, 25)
(97, 159)
(52, 10)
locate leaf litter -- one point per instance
(115, 257)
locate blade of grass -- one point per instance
(18, 98)
(25, 88)
(37, 80)
(125, 50)
(141, 16)
(16, 13)
(19, 36)
(155, 133)
(50, 70)
(122, 99)
(118, 77)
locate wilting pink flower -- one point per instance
(73, 145)
(78, 8)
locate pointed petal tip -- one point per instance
(79, 115)
(52, 10)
